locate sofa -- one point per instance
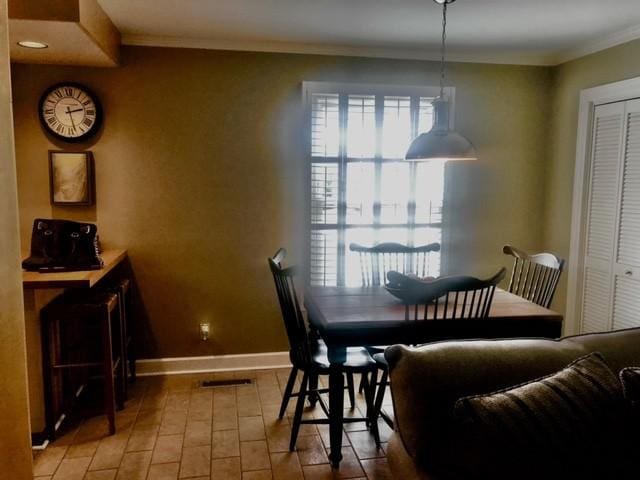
(427, 382)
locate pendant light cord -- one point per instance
(443, 48)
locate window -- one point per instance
(361, 189)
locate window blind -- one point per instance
(361, 189)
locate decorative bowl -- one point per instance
(410, 288)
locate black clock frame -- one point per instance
(89, 133)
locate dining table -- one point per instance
(371, 316)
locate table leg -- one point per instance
(336, 404)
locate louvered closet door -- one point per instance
(626, 270)
(606, 149)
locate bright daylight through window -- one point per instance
(362, 190)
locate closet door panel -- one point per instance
(629, 226)
(596, 301)
(626, 303)
(601, 221)
(626, 270)
(603, 192)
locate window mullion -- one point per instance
(411, 213)
(377, 206)
(343, 106)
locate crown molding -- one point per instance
(338, 50)
(603, 43)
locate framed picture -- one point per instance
(71, 178)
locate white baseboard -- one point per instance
(214, 363)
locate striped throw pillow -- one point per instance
(630, 378)
(563, 424)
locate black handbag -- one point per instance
(63, 245)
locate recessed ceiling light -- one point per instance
(32, 44)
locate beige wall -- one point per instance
(200, 175)
(15, 451)
(614, 64)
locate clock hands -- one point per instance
(69, 112)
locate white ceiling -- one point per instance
(540, 32)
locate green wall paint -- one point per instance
(612, 65)
(200, 172)
(200, 175)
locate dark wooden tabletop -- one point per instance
(357, 316)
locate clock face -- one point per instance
(70, 112)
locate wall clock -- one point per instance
(70, 112)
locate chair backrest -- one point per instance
(534, 277)
(376, 261)
(456, 297)
(294, 323)
(278, 257)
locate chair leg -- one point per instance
(352, 395)
(297, 417)
(286, 396)
(52, 381)
(372, 413)
(107, 365)
(132, 362)
(361, 385)
(369, 394)
(130, 344)
(379, 395)
(313, 386)
(122, 371)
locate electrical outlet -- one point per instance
(204, 331)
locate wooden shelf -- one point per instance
(80, 279)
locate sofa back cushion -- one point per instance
(630, 377)
(621, 348)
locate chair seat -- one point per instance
(358, 359)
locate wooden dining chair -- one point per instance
(458, 297)
(455, 297)
(310, 356)
(534, 277)
(379, 259)
(278, 258)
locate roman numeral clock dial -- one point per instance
(70, 112)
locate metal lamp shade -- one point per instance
(440, 145)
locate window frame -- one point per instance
(343, 90)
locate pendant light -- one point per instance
(440, 143)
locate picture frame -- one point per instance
(71, 178)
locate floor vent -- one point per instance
(225, 383)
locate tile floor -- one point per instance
(171, 429)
